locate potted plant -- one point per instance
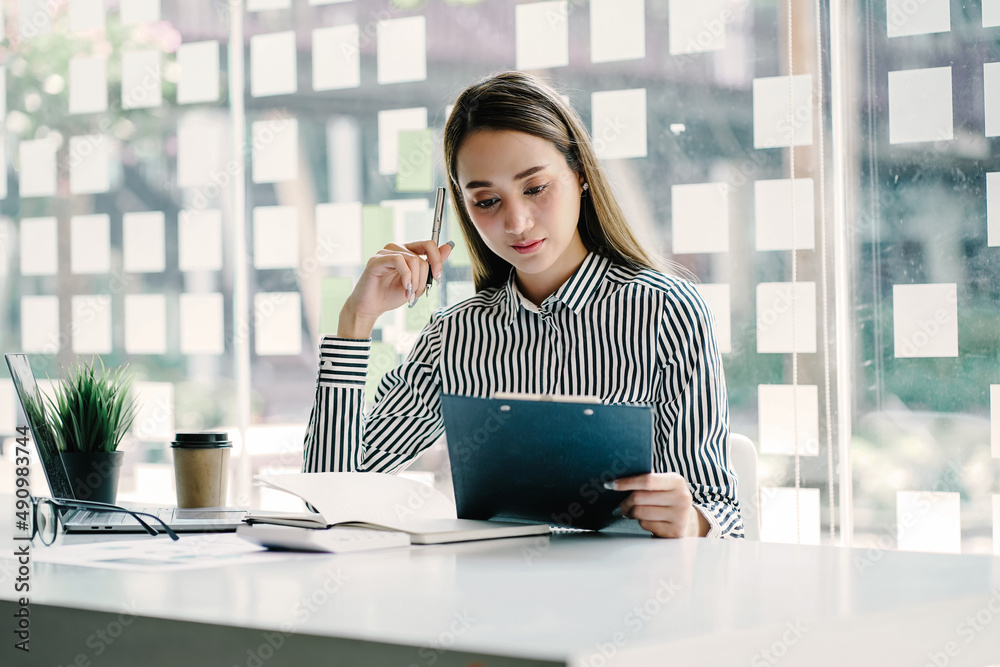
(89, 414)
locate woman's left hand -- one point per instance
(662, 503)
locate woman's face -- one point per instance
(524, 200)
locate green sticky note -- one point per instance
(460, 254)
(418, 316)
(334, 291)
(377, 228)
(414, 172)
(381, 360)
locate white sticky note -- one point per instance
(275, 237)
(402, 50)
(3, 157)
(996, 522)
(273, 68)
(779, 121)
(542, 34)
(456, 291)
(718, 300)
(86, 14)
(925, 320)
(199, 72)
(995, 420)
(141, 88)
(993, 208)
(40, 324)
(696, 27)
(773, 207)
(259, 5)
(784, 410)
(39, 247)
(778, 510)
(145, 324)
(89, 164)
(390, 123)
(8, 403)
(143, 242)
(617, 30)
(38, 167)
(200, 152)
(275, 151)
(699, 217)
(786, 317)
(327, 2)
(35, 17)
(3, 97)
(910, 17)
(202, 324)
(991, 13)
(91, 332)
(88, 84)
(278, 323)
(139, 11)
(991, 98)
(154, 417)
(920, 107)
(401, 208)
(199, 240)
(90, 243)
(929, 521)
(337, 57)
(338, 234)
(619, 123)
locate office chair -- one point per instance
(743, 456)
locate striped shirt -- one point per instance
(624, 335)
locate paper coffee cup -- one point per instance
(201, 468)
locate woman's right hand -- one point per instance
(384, 282)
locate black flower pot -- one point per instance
(94, 475)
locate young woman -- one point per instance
(567, 302)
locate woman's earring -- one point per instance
(586, 186)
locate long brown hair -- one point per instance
(523, 103)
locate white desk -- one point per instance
(570, 599)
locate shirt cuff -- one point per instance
(714, 528)
(343, 362)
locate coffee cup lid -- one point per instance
(208, 440)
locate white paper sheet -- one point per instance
(778, 512)
(700, 217)
(920, 106)
(141, 79)
(777, 330)
(338, 234)
(718, 300)
(696, 27)
(89, 164)
(90, 243)
(200, 152)
(390, 122)
(273, 68)
(86, 14)
(40, 324)
(910, 17)
(275, 150)
(143, 242)
(783, 411)
(38, 167)
(154, 418)
(773, 214)
(336, 57)
(275, 237)
(619, 123)
(145, 324)
(139, 11)
(402, 50)
(925, 320)
(617, 30)
(199, 72)
(278, 319)
(929, 521)
(542, 35)
(91, 332)
(993, 208)
(39, 247)
(775, 124)
(199, 246)
(88, 84)
(202, 324)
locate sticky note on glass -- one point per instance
(991, 98)
(336, 57)
(90, 243)
(929, 521)
(38, 167)
(993, 208)
(275, 237)
(619, 123)
(995, 420)
(456, 291)
(779, 508)
(717, 298)
(788, 418)
(909, 17)
(145, 324)
(390, 123)
(996, 524)
(382, 359)
(773, 209)
(920, 106)
(88, 84)
(418, 316)
(925, 320)
(35, 17)
(278, 323)
(199, 235)
(699, 217)
(338, 234)
(782, 118)
(542, 35)
(414, 172)
(89, 166)
(276, 150)
(200, 151)
(696, 27)
(39, 247)
(334, 291)
(991, 13)
(154, 419)
(417, 224)
(460, 254)
(260, 5)
(401, 210)
(377, 227)
(202, 323)
(8, 407)
(139, 11)
(617, 30)
(786, 317)
(40, 324)
(143, 242)
(86, 14)
(273, 68)
(141, 87)
(199, 72)
(402, 50)
(91, 332)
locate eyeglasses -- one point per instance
(45, 516)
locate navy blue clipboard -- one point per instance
(544, 461)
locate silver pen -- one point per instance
(436, 230)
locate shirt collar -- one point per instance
(574, 293)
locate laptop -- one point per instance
(90, 521)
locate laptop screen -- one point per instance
(34, 411)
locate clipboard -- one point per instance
(544, 460)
